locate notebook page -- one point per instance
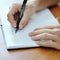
(21, 39)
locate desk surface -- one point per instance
(31, 54)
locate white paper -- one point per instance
(21, 39)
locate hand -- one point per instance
(13, 15)
(47, 33)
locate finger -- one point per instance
(46, 44)
(11, 19)
(25, 19)
(15, 8)
(40, 31)
(45, 36)
(47, 27)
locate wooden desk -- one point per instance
(56, 12)
(34, 53)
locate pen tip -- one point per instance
(16, 30)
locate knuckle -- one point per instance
(56, 30)
(24, 22)
(16, 5)
(8, 15)
(45, 34)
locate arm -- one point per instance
(41, 4)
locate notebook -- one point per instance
(21, 39)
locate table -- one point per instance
(31, 54)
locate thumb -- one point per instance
(25, 19)
(23, 23)
(27, 14)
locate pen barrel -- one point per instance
(24, 3)
(18, 21)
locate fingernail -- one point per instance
(30, 34)
(20, 27)
(14, 25)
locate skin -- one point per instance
(50, 33)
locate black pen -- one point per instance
(20, 15)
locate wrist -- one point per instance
(32, 4)
(36, 5)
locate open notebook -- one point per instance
(21, 38)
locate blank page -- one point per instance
(21, 39)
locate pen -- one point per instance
(20, 15)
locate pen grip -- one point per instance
(18, 21)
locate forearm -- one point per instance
(41, 4)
